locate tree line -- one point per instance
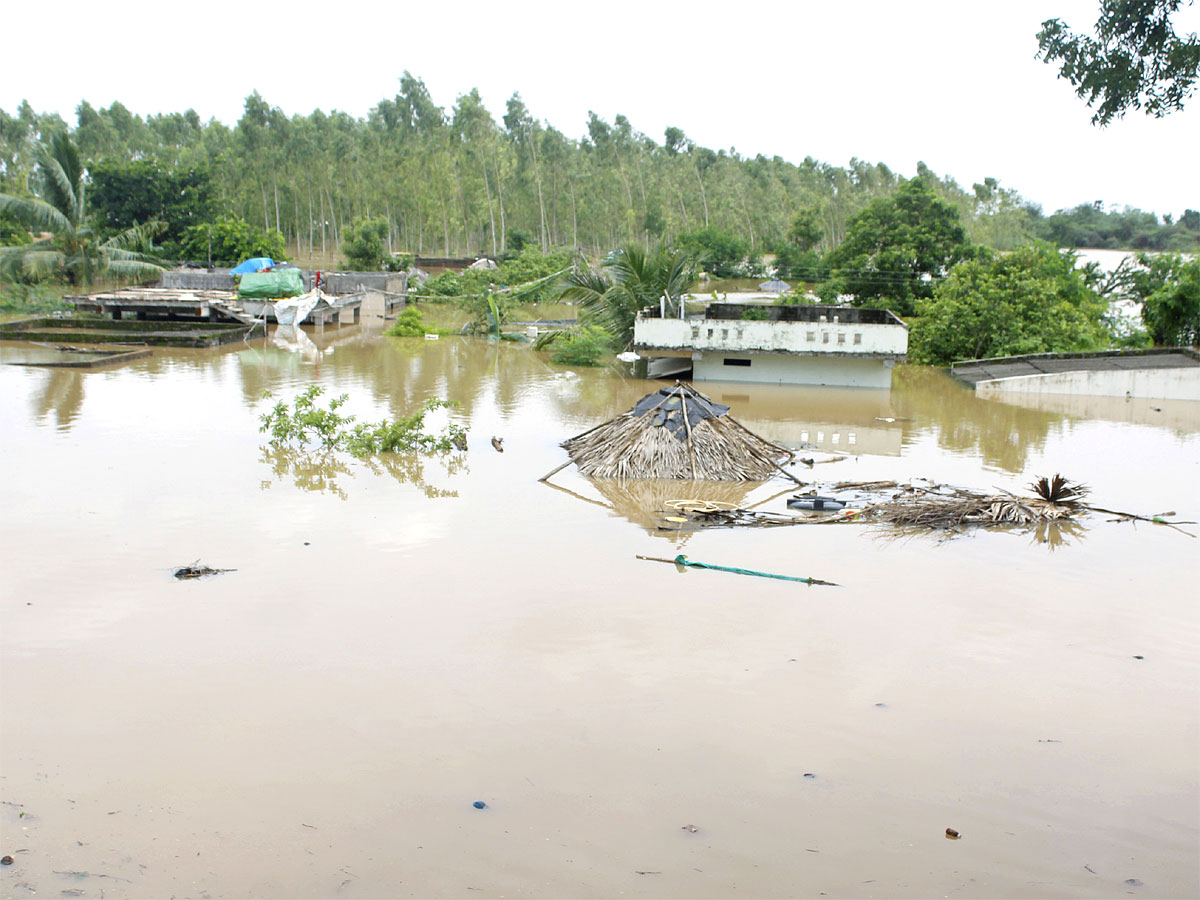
(459, 182)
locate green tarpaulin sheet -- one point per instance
(269, 285)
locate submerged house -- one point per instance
(833, 345)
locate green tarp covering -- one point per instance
(269, 285)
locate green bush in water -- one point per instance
(408, 324)
(305, 422)
(584, 347)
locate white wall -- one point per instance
(783, 368)
(744, 335)
(1163, 384)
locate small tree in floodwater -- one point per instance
(305, 423)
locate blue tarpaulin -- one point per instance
(257, 264)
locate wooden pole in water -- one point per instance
(547, 476)
(687, 423)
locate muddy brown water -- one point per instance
(398, 642)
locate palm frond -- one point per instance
(137, 237)
(133, 269)
(546, 339)
(34, 214)
(1059, 490)
(38, 264)
(57, 186)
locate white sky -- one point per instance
(951, 82)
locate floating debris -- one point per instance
(919, 505)
(682, 560)
(195, 570)
(479, 804)
(953, 835)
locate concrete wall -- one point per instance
(783, 368)
(1163, 384)
(199, 280)
(747, 335)
(349, 282)
(331, 282)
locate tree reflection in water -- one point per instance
(320, 472)
(1059, 533)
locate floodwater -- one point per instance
(401, 639)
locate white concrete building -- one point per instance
(836, 345)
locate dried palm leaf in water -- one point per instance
(1058, 489)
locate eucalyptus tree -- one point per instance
(476, 132)
(523, 131)
(72, 250)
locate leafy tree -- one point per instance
(898, 246)
(630, 279)
(800, 265)
(719, 251)
(12, 232)
(1032, 300)
(1089, 225)
(674, 140)
(73, 251)
(228, 241)
(125, 194)
(1168, 288)
(366, 245)
(806, 230)
(1136, 60)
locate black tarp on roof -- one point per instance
(669, 405)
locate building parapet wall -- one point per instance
(801, 338)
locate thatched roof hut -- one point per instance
(675, 432)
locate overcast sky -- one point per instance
(954, 83)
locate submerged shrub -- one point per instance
(408, 324)
(584, 347)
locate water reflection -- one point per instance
(1058, 533)
(1002, 435)
(324, 472)
(502, 380)
(832, 419)
(647, 502)
(1180, 416)
(61, 397)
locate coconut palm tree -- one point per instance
(68, 247)
(627, 281)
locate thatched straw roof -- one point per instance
(675, 432)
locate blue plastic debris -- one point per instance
(479, 804)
